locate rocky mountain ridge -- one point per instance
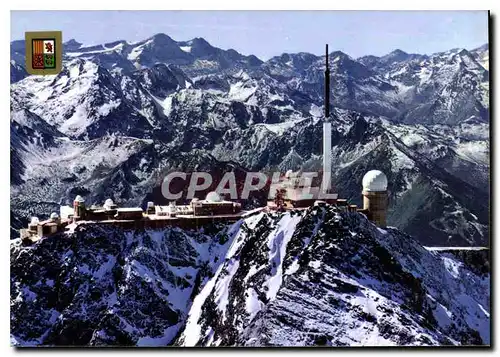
(301, 278)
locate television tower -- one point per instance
(327, 134)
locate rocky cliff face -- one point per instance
(301, 278)
(103, 286)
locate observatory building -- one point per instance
(212, 205)
(375, 197)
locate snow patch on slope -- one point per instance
(281, 128)
(277, 243)
(192, 331)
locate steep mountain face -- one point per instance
(288, 65)
(102, 286)
(420, 189)
(83, 101)
(327, 278)
(444, 88)
(301, 278)
(354, 86)
(120, 115)
(17, 52)
(380, 64)
(481, 54)
(17, 72)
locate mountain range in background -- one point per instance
(120, 114)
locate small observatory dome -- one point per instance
(375, 181)
(213, 197)
(79, 199)
(54, 216)
(108, 203)
(34, 221)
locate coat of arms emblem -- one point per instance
(43, 52)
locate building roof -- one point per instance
(130, 209)
(66, 211)
(375, 181)
(171, 208)
(48, 223)
(98, 210)
(299, 193)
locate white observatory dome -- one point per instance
(54, 215)
(79, 199)
(213, 197)
(108, 203)
(34, 221)
(375, 181)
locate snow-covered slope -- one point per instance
(103, 286)
(17, 72)
(482, 55)
(79, 101)
(326, 278)
(301, 278)
(443, 88)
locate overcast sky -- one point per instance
(270, 33)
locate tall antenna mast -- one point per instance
(327, 134)
(327, 87)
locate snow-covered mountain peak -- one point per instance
(162, 39)
(200, 44)
(301, 278)
(72, 45)
(397, 52)
(282, 274)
